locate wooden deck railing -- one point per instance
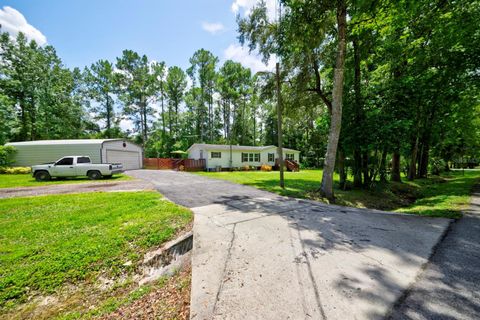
(289, 165)
(174, 164)
(292, 165)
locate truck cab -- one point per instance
(74, 166)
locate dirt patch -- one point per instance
(170, 300)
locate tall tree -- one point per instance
(176, 84)
(202, 72)
(138, 83)
(101, 87)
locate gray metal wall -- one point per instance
(28, 155)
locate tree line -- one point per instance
(397, 81)
(374, 89)
(169, 108)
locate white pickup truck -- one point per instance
(74, 166)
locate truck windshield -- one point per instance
(83, 160)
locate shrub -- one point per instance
(266, 167)
(246, 168)
(437, 166)
(6, 155)
(15, 170)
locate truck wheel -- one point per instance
(94, 175)
(42, 176)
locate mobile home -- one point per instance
(226, 156)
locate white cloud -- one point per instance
(240, 54)
(13, 22)
(213, 27)
(245, 7)
(126, 124)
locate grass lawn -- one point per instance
(26, 180)
(444, 196)
(47, 242)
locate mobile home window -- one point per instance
(250, 157)
(271, 157)
(217, 155)
(290, 156)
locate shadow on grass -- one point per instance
(436, 196)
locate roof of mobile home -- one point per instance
(207, 146)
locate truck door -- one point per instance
(64, 168)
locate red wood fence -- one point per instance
(174, 164)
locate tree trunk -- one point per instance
(162, 103)
(413, 160)
(366, 175)
(341, 169)
(423, 169)
(109, 115)
(279, 123)
(254, 128)
(337, 95)
(395, 176)
(383, 167)
(33, 121)
(176, 118)
(23, 129)
(357, 168)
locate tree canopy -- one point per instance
(375, 89)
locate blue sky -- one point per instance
(85, 31)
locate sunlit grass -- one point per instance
(26, 180)
(444, 196)
(48, 241)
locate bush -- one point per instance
(15, 170)
(266, 167)
(246, 168)
(6, 155)
(437, 166)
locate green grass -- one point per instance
(48, 241)
(26, 180)
(443, 196)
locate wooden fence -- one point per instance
(174, 164)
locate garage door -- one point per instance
(129, 159)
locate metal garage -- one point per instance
(99, 150)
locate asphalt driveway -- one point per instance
(257, 255)
(190, 190)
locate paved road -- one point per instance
(192, 190)
(450, 286)
(257, 255)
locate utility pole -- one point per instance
(279, 122)
(279, 108)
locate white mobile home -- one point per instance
(99, 150)
(217, 155)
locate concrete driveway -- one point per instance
(257, 255)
